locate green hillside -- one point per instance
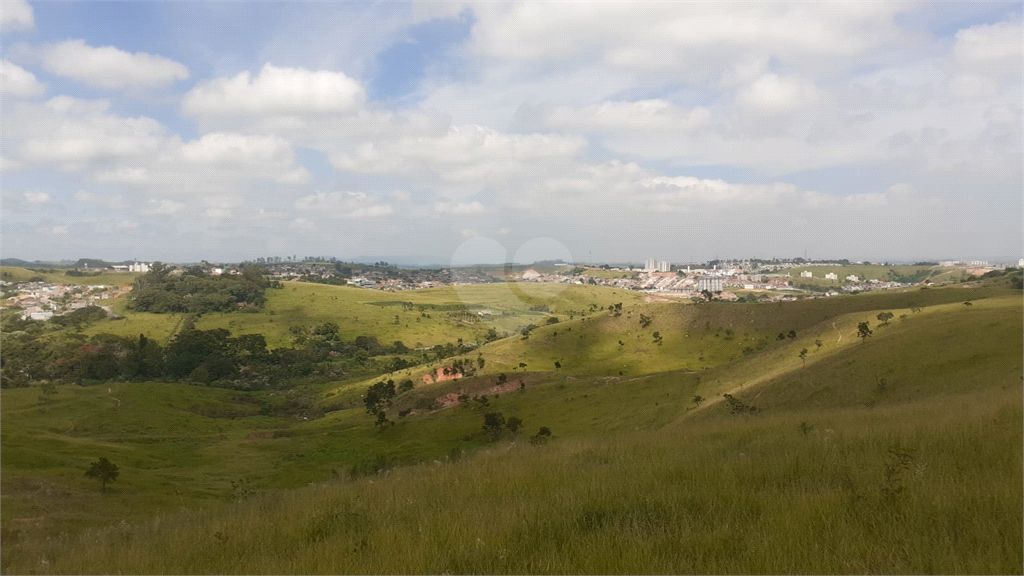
(436, 316)
(901, 453)
(17, 274)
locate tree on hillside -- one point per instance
(698, 400)
(884, 317)
(818, 344)
(493, 423)
(541, 437)
(558, 365)
(514, 424)
(378, 400)
(103, 470)
(863, 331)
(803, 356)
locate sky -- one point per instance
(453, 132)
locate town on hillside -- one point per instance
(38, 298)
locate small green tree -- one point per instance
(378, 400)
(818, 344)
(103, 470)
(884, 317)
(698, 400)
(513, 424)
(803, 356)
(541, 437)
(493, 423)
(863, 331)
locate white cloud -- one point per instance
(16, 81)
(685, 39)
(109, 67)
(73, 133)
(163, 207)
(16, 15)
(987, 59)
(655, 115)
(343, 205)
(276, 91)
(459, 208)
(998, 44)
(467, 155)
(771, 94)
(36, 197)
(110, 202)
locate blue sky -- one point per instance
(419, 132)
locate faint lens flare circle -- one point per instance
(486, 256)
(489, 255)
(543, 249)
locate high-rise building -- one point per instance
(664, 266)
(709, 284)
(651, 265)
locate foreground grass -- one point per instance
(893, 491)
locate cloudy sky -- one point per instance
(610, 131)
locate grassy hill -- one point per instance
(18, 274)
(436, 316)
(898, 454)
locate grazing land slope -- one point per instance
(897, 453)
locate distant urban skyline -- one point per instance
(426, 133)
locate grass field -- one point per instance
(898, 454)
(16, 274)
(437, 315)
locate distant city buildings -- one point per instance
(853, 278)
(138, 267)
(806, 274)
(831, 276)
(709, 284)
(655, 265)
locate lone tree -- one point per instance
(103, 470)
(697, 400)
(378, 400)
(514, 424)
(863, 331)
(803, 356)
(818, 343)
(884, 317)
(493, 423)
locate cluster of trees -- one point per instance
(212, 357)
(193, 291)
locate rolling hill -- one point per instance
(899, 453)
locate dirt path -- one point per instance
(109, 391)
(840, 339)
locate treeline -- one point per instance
(211, 357)
(166, 291)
